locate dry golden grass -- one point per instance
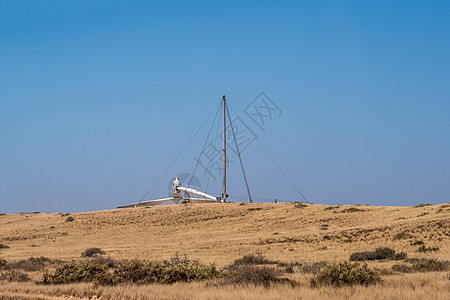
(413, 287)
(220, 233)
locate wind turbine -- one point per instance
(177, 189)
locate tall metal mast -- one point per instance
(224, 195)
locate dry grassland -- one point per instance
(220, 233)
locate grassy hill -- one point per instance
(221, 233)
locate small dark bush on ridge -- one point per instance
(254, 208)
(379, 253)
(351, 210)
(92, 251)
(2, 246)
(70, 219)
(331, 207)
(299, 205)
(347, 273)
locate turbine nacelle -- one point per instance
(175, 184)
(176, 190)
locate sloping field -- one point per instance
(220, 233)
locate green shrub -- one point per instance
(422, 265)
(74, 272)
(440, 210)
(136, 271)
(385, 272)
(145, 272)
(379, 253)
(108, 261)
(254, 209)
(331, 207)
(299, 205)
(324, 227)
(362, 256)
(13, 275)
(351, 210)
(30, 265)
(384, 252)
(253, 259)
(347, 273)
(402, 236)
(427, 249)
(415, 243)
(402, 268)
(92, 251)
(399, 256)
(190, 272)
(253, 275)
(313, 267)
(388, 253)
(3, 264)
(289, 268)
(110, 272)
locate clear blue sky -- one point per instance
(98, 97)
